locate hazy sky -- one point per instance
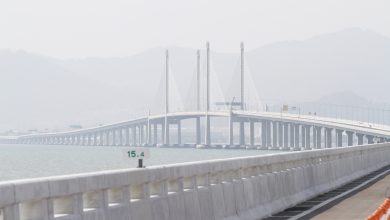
(82, 28)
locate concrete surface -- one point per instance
(360, 205)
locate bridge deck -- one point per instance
(360, 205)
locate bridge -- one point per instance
(333, 152)
(278, 131)
(275, 130)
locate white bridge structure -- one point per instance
(276, 130)
(333, 152)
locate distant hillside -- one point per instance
(37, 92)
(41, 92)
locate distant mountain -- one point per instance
(41, 91)
(36, 92)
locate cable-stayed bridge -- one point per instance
(256, 129)
(245, 188)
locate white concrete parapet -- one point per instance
(241, 188)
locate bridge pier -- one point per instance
(274, 136)
(198, 132)
(127, 136)
(264, 135)
(307, 134)
(268, 128)
(349, 138)
(149, 133)
(90, 139)
(296, 138)
(370, 139)
(319, 136)
(328, 139)
(134, 135)
(231, 130)
(166, 132)
(207, 130)
(120, 141)
(360, 138)
(339, 137)
(251, 133)
(303, 137)
(242, 133)
(107, 138)
(114, 137)
(155, 133)
(142, 134)
(101, 138)
(163, 133)
(280, 135)
(179, 132)
(285, 134)
(292, 136)
(95, 139)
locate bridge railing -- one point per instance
(248, 187)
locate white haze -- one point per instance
(94, 62)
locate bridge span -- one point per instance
(282, 131)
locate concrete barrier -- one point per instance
(240, 188)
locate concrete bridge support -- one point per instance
(349, 138)
(370, 139)
(285, 137)
(166, 134)
(179, 132)
(318, 137)
(280, 135)
(134, 135)
(360, 138)
(107, 138)
(141, 128)
(242, 133)
(303, 137)
(264, 135)
(120, 141)
(127, 136)
(308, 135)
(101, 138)
(207, 139)
(268, 132)
(339, 137)
(148, 133)
(198, 132)
(292, 136)
(251, 133)
(296, 138)
(231, 131)
(274, 136)
(114, 137)
(155, 133)
(328, 137)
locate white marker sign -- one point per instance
(138, 153)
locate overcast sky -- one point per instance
(84, 28)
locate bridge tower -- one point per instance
(207, 118)
(166, 123)
(242, 123)
(242, 76)
(198, 138)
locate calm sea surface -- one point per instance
(28, 161)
